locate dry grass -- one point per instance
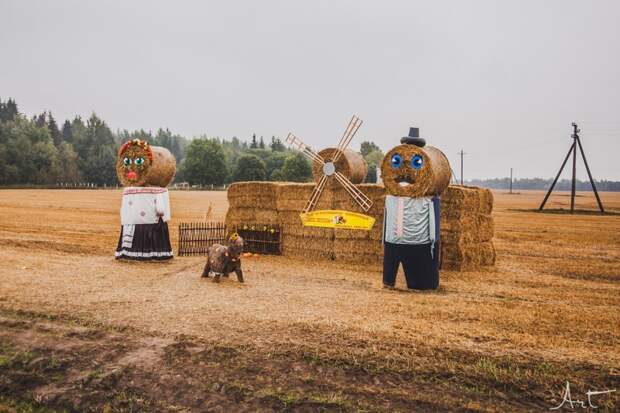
(553, 296)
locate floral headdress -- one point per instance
(137, 142)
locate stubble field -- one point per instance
(81, 331)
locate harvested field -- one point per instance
(81, 331)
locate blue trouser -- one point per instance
(421, 268)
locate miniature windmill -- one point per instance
(339, 165)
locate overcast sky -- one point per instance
(501, 79)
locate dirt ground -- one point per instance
(80, 331)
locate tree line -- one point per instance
(37, 151)
(539, 183)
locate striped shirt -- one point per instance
(413, 221)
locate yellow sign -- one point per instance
(337, 219)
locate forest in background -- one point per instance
(40, 151)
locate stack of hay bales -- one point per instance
(466, 223)
(466, 228)
(299, 241)
(273, 203)
(363, 247)
(252, 202)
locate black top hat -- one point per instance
(413, 138)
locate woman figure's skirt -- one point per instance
(144, 242)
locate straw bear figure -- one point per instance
(414, 176)
(144, 171)
(222, 260)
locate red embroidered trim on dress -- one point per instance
(146, 190)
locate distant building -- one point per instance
(181, 185)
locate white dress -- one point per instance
(145, 212)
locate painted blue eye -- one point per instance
(417, 162)
(396, 160)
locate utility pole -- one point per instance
(511, 180)
(461, 153)
(572, 188)
(573, 150)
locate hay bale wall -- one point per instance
(466, 223)
(467, 228)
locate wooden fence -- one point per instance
(260, 239)
(195, 238)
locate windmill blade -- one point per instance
(362, 200)
(316, 194)
(349, 133)
(346, 131)
(304, 149)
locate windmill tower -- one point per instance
(336, 166)
(335, 163)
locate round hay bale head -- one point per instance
(351, 164)
(139, 164)
(163, 169)
(419, 171)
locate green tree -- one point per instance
(99, 167)
(78, 133)
(373, 159)
(67, 134)
(276, 176)
(5, 167)
(367, 147)
(40, 120)
(250, 168)
(174, 143)
(29, 152)
(68, 159)
(371, 174)
(296, 168)
(54, 131)
(276, 145)
(8, 110)
(261, 144)
(254, 144)
(44, 158)
(98, 153)
(274, 163)
(205, 163)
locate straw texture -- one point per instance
(158, 168)
(351, 164)
(163, 168)
(432, 178)
(466, 223)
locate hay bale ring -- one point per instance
(351, 164)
